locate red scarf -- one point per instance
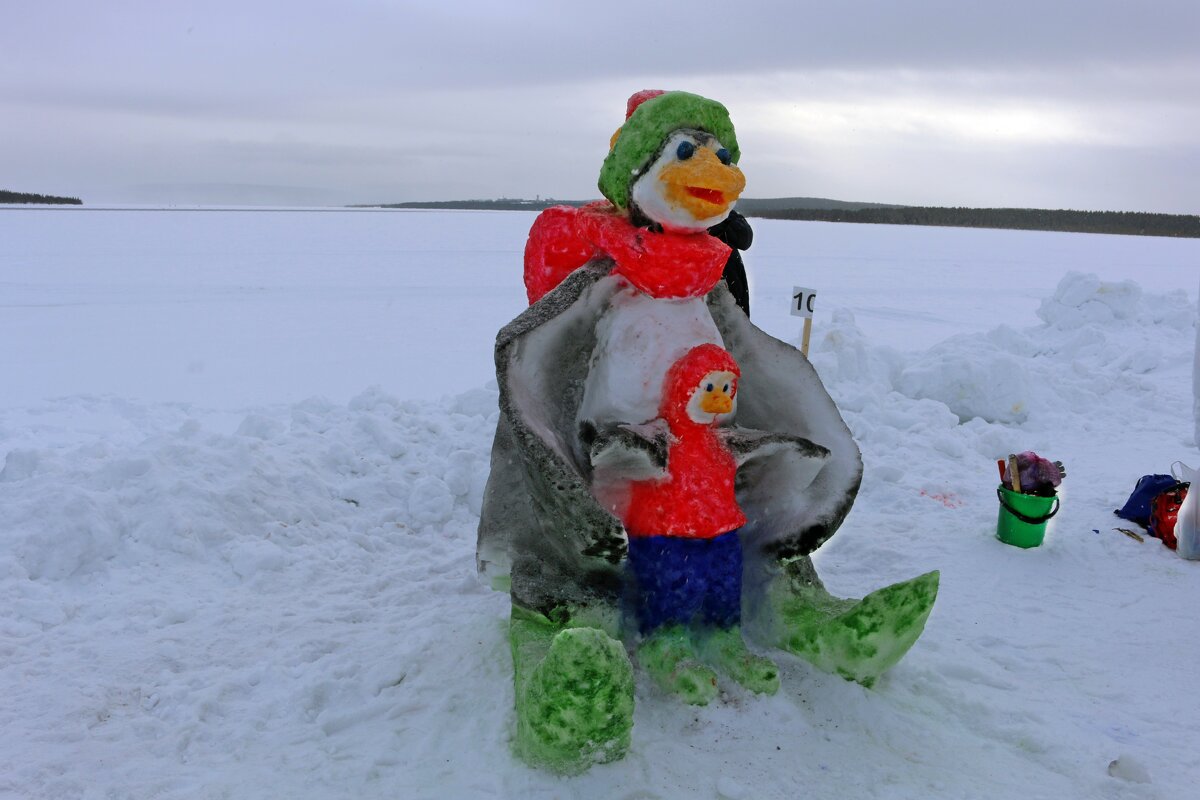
(667, 265)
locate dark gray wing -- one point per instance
(747, 444)
(790, 511)
(633, 452)
(539, 523)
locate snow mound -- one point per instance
(282, 480)
(1083, 299)
(1095, 335)
(975, 376)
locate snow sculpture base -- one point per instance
(856, 639)
(687, 662)
(574, 694)
(614, 449)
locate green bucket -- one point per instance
(1023, 517)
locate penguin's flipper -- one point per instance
(634, 452)
(773, 463)
(748, 443)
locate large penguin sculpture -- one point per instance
(620, 291)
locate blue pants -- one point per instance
(681, 580)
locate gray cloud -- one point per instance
(1090, 104)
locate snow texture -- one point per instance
(212, 587)
(637, 341)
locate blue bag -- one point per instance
(1137, 507)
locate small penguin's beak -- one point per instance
(717, 402)
(702, 185)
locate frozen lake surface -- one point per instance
(247, 307)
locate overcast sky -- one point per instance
(1092, 105)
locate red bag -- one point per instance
(1164, 511)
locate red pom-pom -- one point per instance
(639, 98)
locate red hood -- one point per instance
(685, 375)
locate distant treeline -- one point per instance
(825, 210)
(747, 205)
(1030, 219)
(503, 204)
(24, 197)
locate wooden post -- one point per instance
(807, 336)
(1014, 474)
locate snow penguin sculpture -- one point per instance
(685, 557)
(619, 292)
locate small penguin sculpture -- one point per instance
(685, 558)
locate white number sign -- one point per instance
(802, 302)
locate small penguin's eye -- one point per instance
(708, 388)
(726, 389)
(724, 156)
(685, 150)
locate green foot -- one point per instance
(574, 695)
(671, 659)
(727, 651)
(857, 640)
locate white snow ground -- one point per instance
(243, 455)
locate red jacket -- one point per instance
(696, 498)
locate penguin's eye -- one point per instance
(708, 388)
(685, 150)
(724, 156)
(726, 389)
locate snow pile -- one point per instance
(171, 593)
(281, 601)
(1103, 332)
(281, 480)
(1083, 299)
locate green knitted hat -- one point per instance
(644, 132)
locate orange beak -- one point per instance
(716, 403)
(702, 184)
